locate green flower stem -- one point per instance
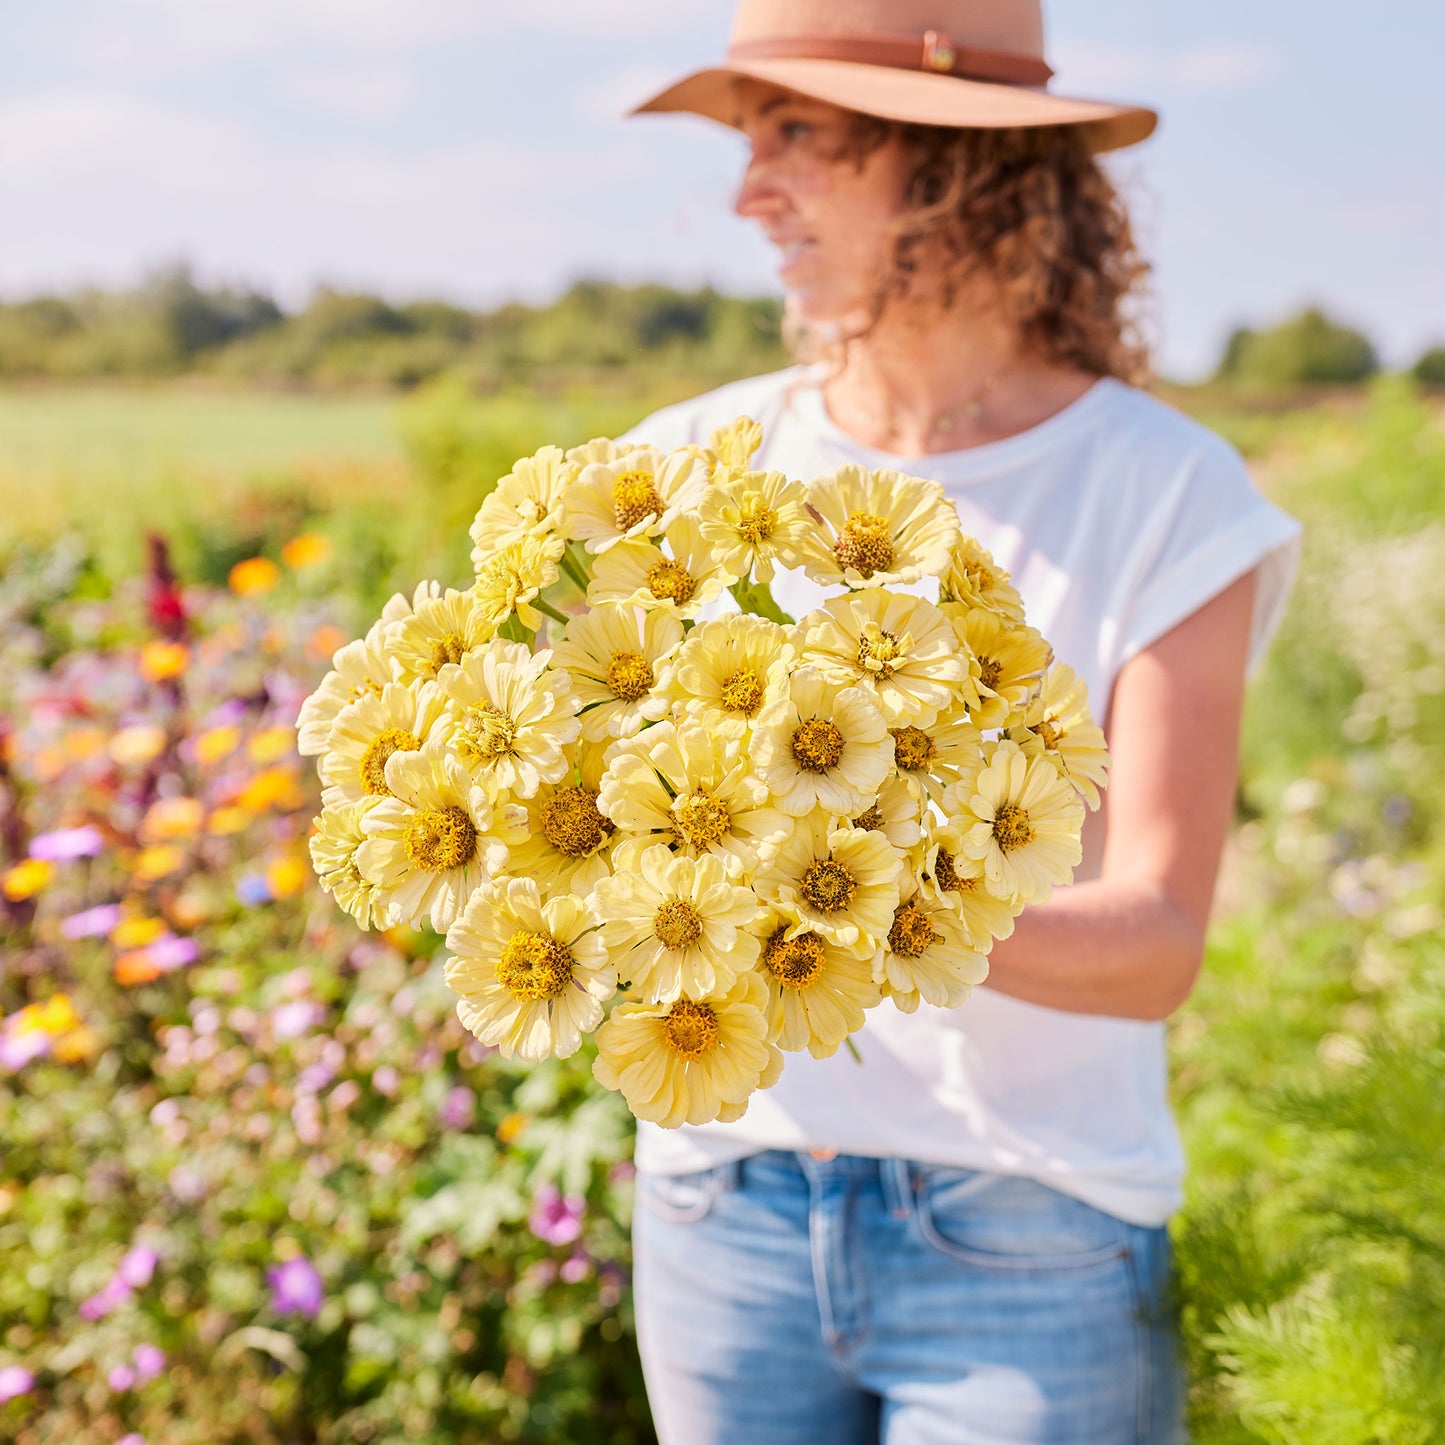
(576, 574)
(853, 1049)
(757, 598)
(547, 610)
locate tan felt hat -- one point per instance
(929, 62)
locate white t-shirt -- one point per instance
(1117, 517)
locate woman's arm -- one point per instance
(1130, 943)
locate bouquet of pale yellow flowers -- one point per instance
(704, 832)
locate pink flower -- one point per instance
(91, 922)
(100, 1304)
(296, 1288)
(65, 844)
(15, 1381)
(554, 1219)
(138, 1266)
(121, 1378)
(150, 1360)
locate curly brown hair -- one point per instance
(1033, 210)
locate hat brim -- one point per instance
(913, 96)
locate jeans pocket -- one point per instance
(682, 1198)
(1007, 1221)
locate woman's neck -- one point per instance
(958, 381)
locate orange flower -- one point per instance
(187, 911)
(137, 966)
(254, 577)
(327, 639)
(286, 876)
(216, 743)
(162, 660)
(510, 1127)
(26, 879)
(48, 764)
(307, 550)
(172, 818)
(84, 743)
(272, 788)
(79, 1044)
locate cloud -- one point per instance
(1157, 72)
(354, 92)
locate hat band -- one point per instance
(934, 52)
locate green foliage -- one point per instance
(1429, 370)
(1308, 348)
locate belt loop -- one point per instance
(897, 1191)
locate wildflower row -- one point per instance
(708, 834)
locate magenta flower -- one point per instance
(169, 953)
(459, 1108)
(150, 1360)
(121, 1378)
(296, 1288)
(291, 1020)
(555, 1219)
(576, 1267)
(100, 1304)
(138, 1266)
(15, 1381)
(91, 922)
(65, 844)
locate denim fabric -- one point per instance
(784, 1299)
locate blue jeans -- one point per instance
(786, 1299)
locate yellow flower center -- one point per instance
(700, 820)
(980, 576)
(793, 962)
(743, 692)
(440, 839)
(828, 885)
(487, 732)
(572, 824)
(992, 670)
(373, 760)
(451, 648)
(865, 544)
(1011, 827)
(677, 924)
(817, 745)
(947, 875)
(629, 675)
(634, 499)
(366, 687)
(690, 1029)
(756, 521)
(669, 582)
(1049, 735)
(534, 966)
(872, 821)
(913, 749)
(879, 650)
(912, 934)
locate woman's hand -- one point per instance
(1129, 943)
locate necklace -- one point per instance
(970, 409)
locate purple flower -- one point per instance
(296, 1288)
(253, 890)
(65, 844)
(102, 1303)
(134, 1438)
(17, 1050)
(121, 1378)
(169, 953)
(91, 922)
(150, 1360)
(459, 1108)
(556, 1220)
(291, 1020)
(15, 1381)
(138, 1266)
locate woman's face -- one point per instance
(830, 215)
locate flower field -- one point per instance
(259, 1183)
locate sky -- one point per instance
(476, 150)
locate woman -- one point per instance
(963, 1239)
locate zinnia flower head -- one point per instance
(637, 494)
(617, 656)
(439, 634)
(361, 667)
(510, 577)
(682, 576)
(755, 522)
(1059, 723)
(973, 578)
(527, 502)
(367, 732)
(729, 669)
(928, 955)
(334, 843)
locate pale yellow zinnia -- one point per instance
(729, 669)
(755, 522)
(973, 578)
(685, 786)
(509, 578)
(569, 841)
(840, 882)
(618, 659)
(1059, 722)
(440, 633)
(733, 446)
(1012, 658)
(822, 745)
(896, 812)
(1021, 819)
(927, 956)
(638, 494)
(435, 838)
(877, 528)
(339, 833)
(681, 577)
(817, 991)
(900, 647)
(676, 925)
(531, 975)
(511, 716)
(527, 502)
(958, 881)
(368, 731)
(930, 758)
(361, 668)
(693, 1060)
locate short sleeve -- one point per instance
(1212, 527)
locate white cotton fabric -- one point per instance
(1117, 517)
